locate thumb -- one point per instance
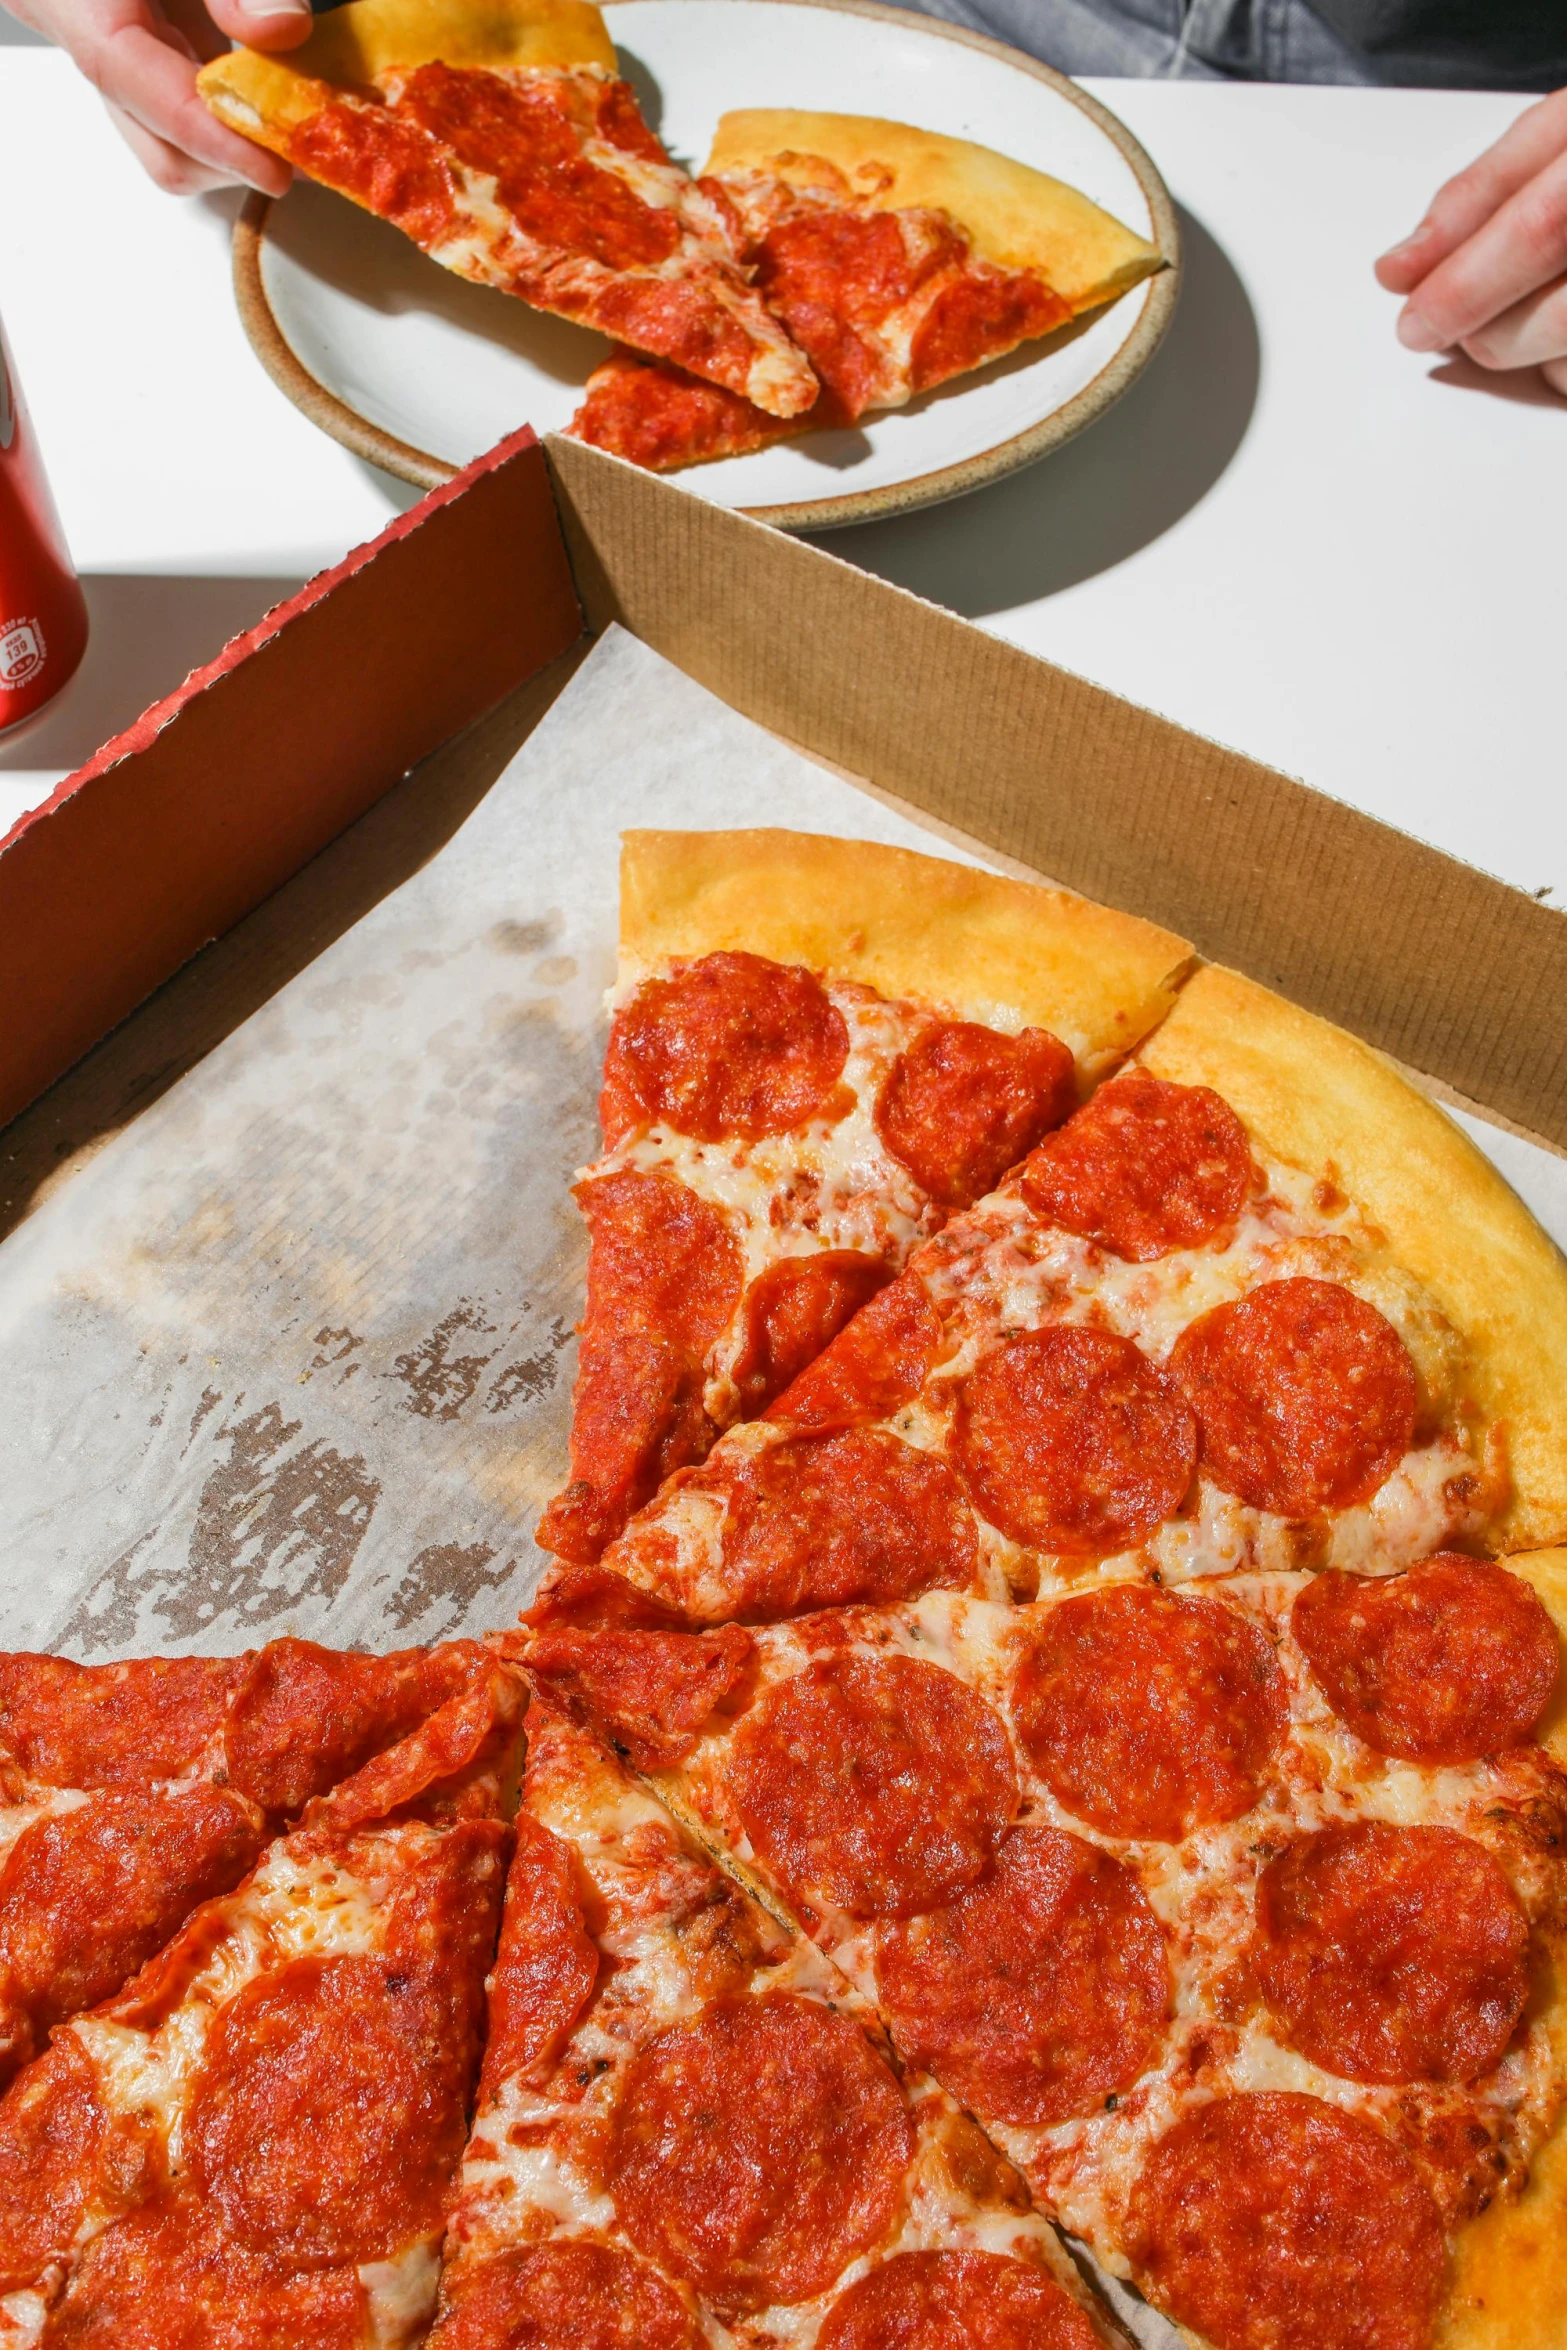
(263, 24)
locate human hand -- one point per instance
(141, 56)
(1486, 270)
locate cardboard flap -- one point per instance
(1452, 972)
(215, 796)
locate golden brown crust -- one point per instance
(1320, 1100)
(1510, 2274)
(979, 944)
(264, 98)
(1018, 218)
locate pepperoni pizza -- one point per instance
(820, 1050)
(1127, 1650)
(130, 1793)
(1223, 1908)
(254, 2140)
(1158, 1347)
(504, 142)
(896, 258)
(691, 2130)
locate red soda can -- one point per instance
(43, 613)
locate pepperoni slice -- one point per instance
(956, 2301)
(730, 1047)
(792, 1311)
(758, 2149)
(306, 1717)
(53, 2136)
(1275, 2222)
(652, 1692)
(1145, 1168)
(571, 2294)
(166, 2278)
(851, 1517)
(1392, 1954)
(874, 1366)
(87, 1896)
(1037, 1991)
(440, 1938)
(317, 2129)
(1444, 1664)
(880, 1785)
(111, 1725)
(1149, 1715)
(965, 1103)
(1071, 1441)
(1305, 1394)
(664, 1279)
(547, 1963)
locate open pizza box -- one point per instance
(303, 982)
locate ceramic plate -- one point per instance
(420, 371)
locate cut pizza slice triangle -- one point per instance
(1176, 1340)
(896, 258)
(819, 1051)
(1227, 1910)
(690, 2131)
(499, 136)
(130, 1793)
(254, 2141)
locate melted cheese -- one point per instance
(401, 2294)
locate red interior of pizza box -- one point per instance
(439, 646)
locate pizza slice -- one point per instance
(819, 1051)
(1233, 1912)
(253, 2142)
(1257, 1304)
(691, 2131)
(130, 1793)
(503, 141)
(896, 258)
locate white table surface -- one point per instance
(1290, 535)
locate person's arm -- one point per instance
(1486, 270)
(142, 58)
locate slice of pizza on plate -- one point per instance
(502, 139)
(896, 258)
(1256, 1304)
(820, 1050)
(1233, 1912)
(254, 2140)
(130, 1793)
(691, 2131)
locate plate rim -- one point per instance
(362, 438)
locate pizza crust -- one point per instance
(1006, 952)
(265, 97)
(1509, 2287)
(1321, 1100)
(1018, 218)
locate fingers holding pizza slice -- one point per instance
(896, 258)
(503, 141)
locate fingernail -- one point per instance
(274, 8)
(1407, 244)
(1417, 333)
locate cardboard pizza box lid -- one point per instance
(215, 798)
